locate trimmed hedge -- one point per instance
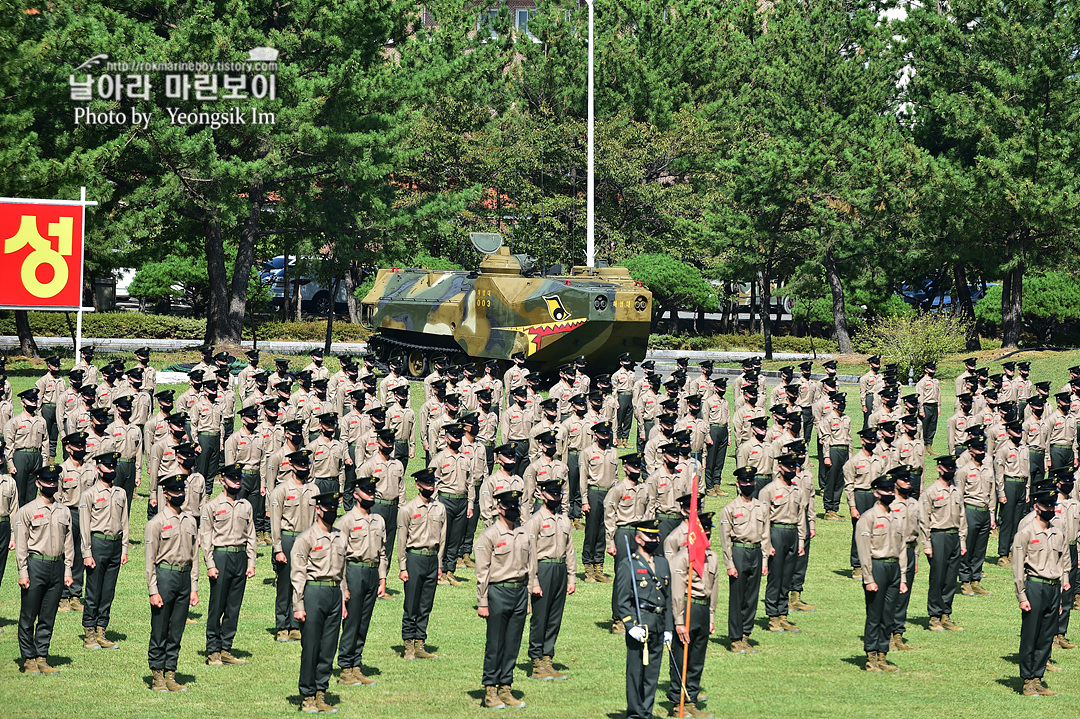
(737, 342)
(307, 331)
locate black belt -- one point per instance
(553, 560)
(650, 607)
(110, 537)
(362, 562)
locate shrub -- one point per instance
(742, 342)
(120, 325)
(911, 340)
(1048, 301)
(314, 331)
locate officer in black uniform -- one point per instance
(643, 601)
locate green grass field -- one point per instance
(811, 674)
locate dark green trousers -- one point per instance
(347, 500)
(798, 577)
(78, 571)
(881, 605)
(834, 478)
(864, 500)
(1037, 628)
(869, 410)
(126, 471)
(39, 603)
(226, 596)
(647, 426)
(470, 524)
(101, 580)
(208, 461)
(695, 661)
(5, 540)
(1067, 596)
(319, 637)
(716, 455)
(1060, 457)
(978, 536)
(1011, 513)
(1036, 467)
(507, 605)
(668, 524)
(456, 523)
(26, 461)
(781, 569)
(929, 424)
(389, 514)
(623, 535)
(283, 609)
(573, 463)
(624, 416)
(251, 490)
(419, 594)
(902, 601)
(48, 413)
(363, 586)
(167, 621)
(807, 423)
(743, 591)
(641, 679)
(592, 549)
(944, 571)
(547, 610)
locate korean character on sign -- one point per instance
(177, 86)
(235, 87)
(263, 86)
(110, 87)
(82, 90)
(138, 87)
(206, 87)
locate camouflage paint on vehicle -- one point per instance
(497, 311)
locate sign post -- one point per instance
(42, 251)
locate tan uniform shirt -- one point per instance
(562, 392)
(502, 555)
(879, 534)
(292, 509)
(1061, 430)
(127, 440)
(701, 587)
(1011, 460)
(453, 474)
(43, 528)
(741, 422)
(365, 538)
(206, 417)
(786, 503)
(834, 429)
(961, 382)
(402, 420)
(942, 507)
(669, 487)
(551, 538)
(870, 383)
(1037, 433)
(226, 523)
(194, 493)
(597, 468)
(171, 538)
(1039, 552)
(981, 487)
(245, 449)
(755, 453)
(103, 509)
(546, 469)
(9, 496)
(25, 432)
(500, 481)
(328, 459)
(50, 388)
(318, 555)
(277, 469)
(162, 460)
(928, 391)
(859, 471)
(421, 525)
(625, 503)
(389, 477)
(745, 520)
(74, 481)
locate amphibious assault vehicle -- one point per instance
(505, 307)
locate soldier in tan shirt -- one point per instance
(366, 563)
(1013, 469)
(983, 491)
(421, 545)
(884, 558)
(227, 537)
(859, 473)
(51, 388)
(704, 590)
(9, 503)
(320, 590)
(26, 437)
(329, 457)
(456, 492)
(504, 575)
(389, 476)
(546, 468)
(292, 511)
(103, 529)
(943, 536)
(171, 539)
(245, 449)
(747, 546)
(787, 507)
(554, 566)
(127, 440)
(44, 553)
(834, 433)
(77, 474)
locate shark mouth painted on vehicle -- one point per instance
(537, 333)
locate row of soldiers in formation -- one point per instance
(551, 461)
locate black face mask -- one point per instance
(454, 442)
(187, 462)
(747, 490)
(108, 474)
(1066, 488)
(512, 514)
(1047, 514)
(887, 499)
(367, 503)
(48, 491)
(553, 505)
(232, 489)
(549, 450)
(302, 474)
(948, 475)
(78, 454)
(175, 500)
(650, 545)
(603, 442)
(385, 451)
(634, 477)
(329, 516)
(903, 492)
(426, 493)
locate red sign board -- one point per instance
(41, 264)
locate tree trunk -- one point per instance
(673, 317)
(699, 324)
(27, 345)
(350, 294)
(330, 314)
(245, 260)
(967, 310)
(753, 306)
(217, 314)
(840, 323)
(766, 315)
(1011, 306)
(285, 288)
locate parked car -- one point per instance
(314, 296)
(927, 294)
